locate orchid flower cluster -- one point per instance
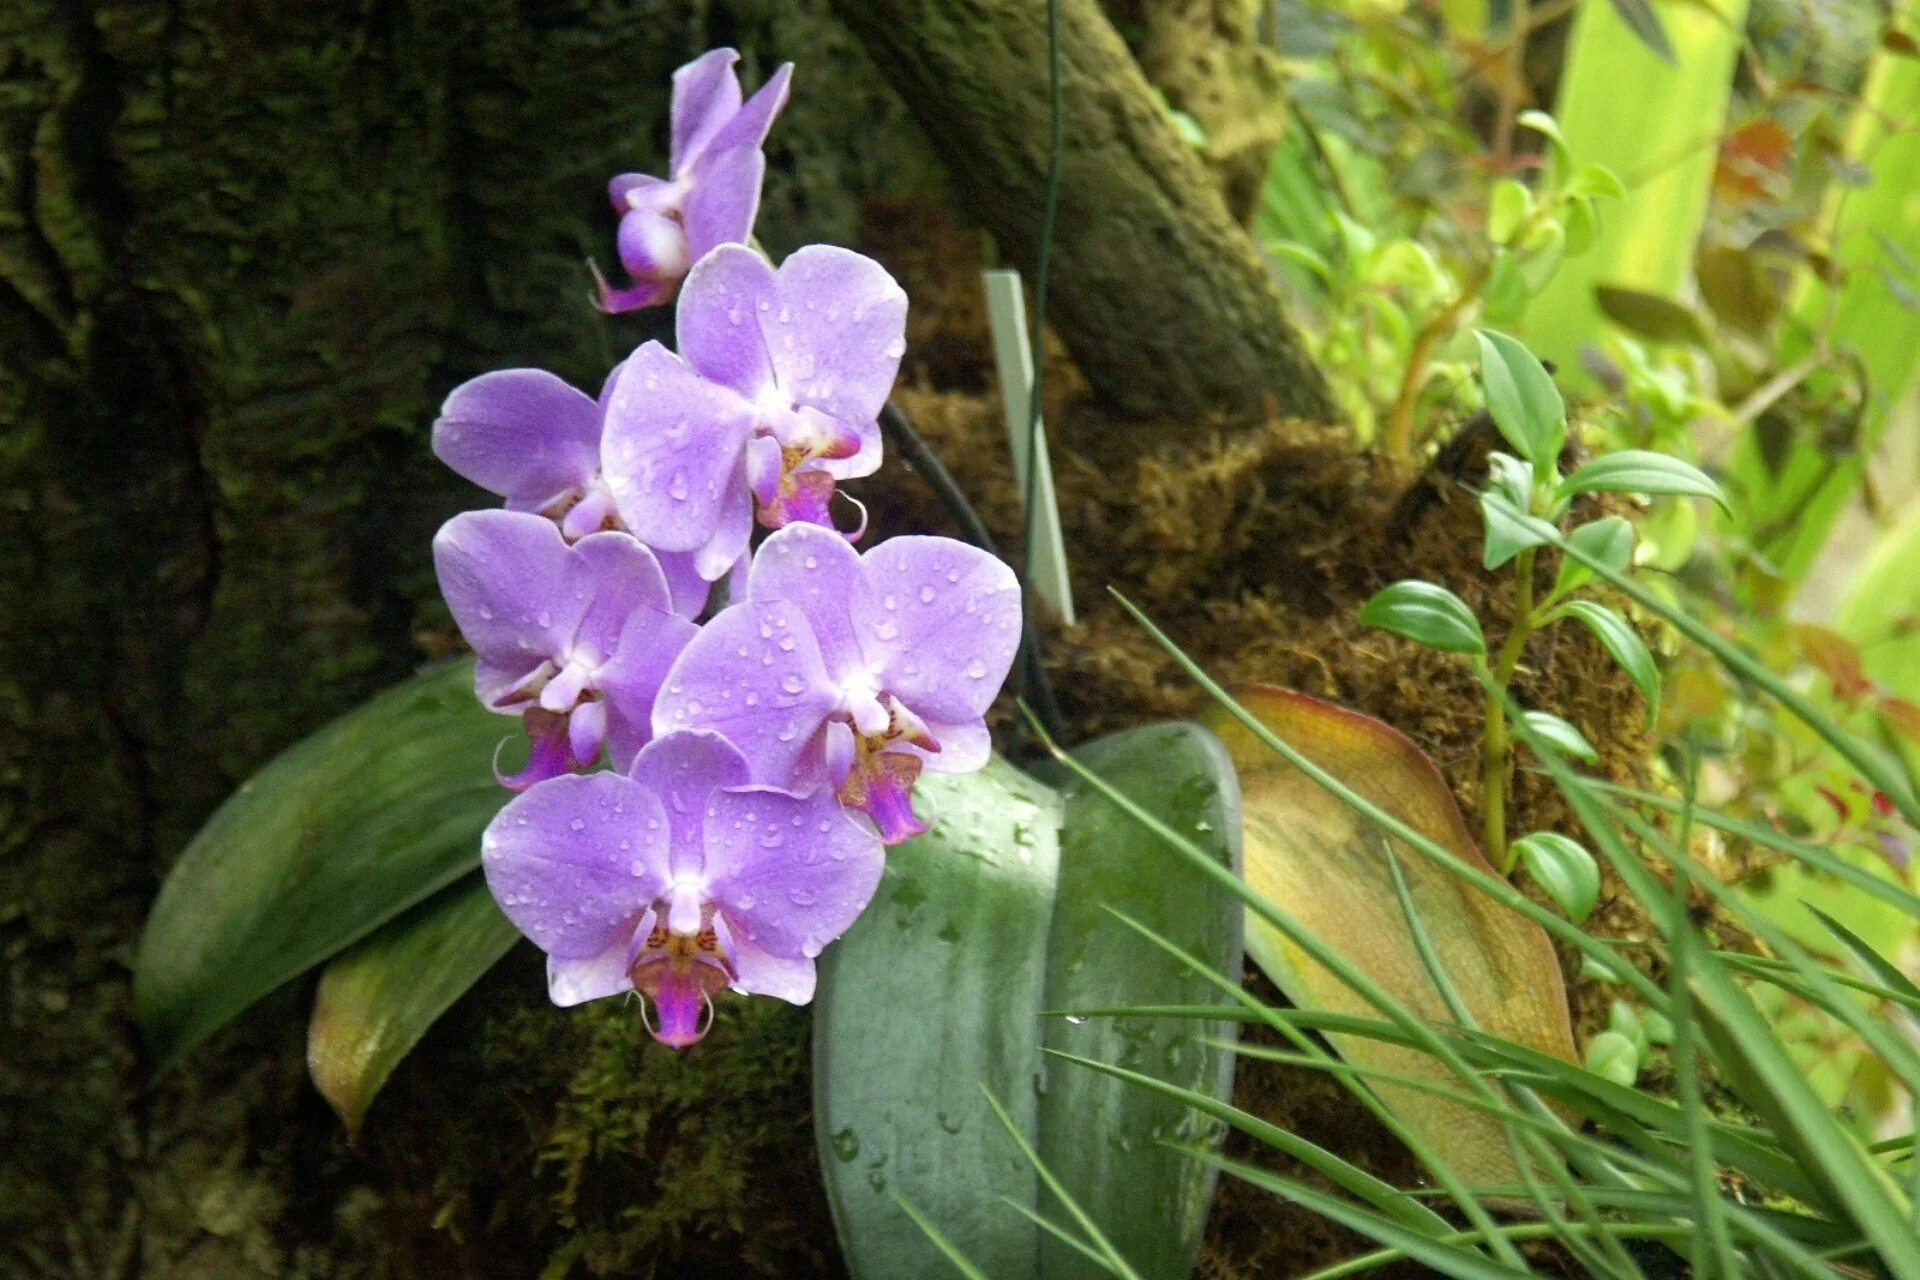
(766, 712)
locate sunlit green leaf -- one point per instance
(1429, 614)
(1525, 404)
(1565, 870)
(1509, 478)
(1508, 206)
(343, 831)
(1643, 471)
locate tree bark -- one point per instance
(1159, 295)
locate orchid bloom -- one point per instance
(668, 224)
(774, 396)
(529, 437)
(677, 880)
(853, 670)
(574, 638)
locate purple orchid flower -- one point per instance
(668, 224)
(529, 437)
(574, 638)
(677, 880)
(856, 670)
(774, 396)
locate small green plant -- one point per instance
(1526, 500)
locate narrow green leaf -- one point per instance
(1643, 471)
(1561, 734)
(1565, 870)
(1428, 614)
(379, 997)
(1882, 970)
(1608, 539)
(337, 835)
(1097, 1132)
(1525, 404)
(1618, 638)
(1542, 123)
(930, 996)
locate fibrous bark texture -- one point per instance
(245, 249)
(1157, 292)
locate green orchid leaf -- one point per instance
(1102, 1136)
(1429, 614)
(346, 829)
(935, 1001)
(932, 994)
(379, 997)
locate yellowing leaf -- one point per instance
(1326, 865)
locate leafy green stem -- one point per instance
(1496, 754)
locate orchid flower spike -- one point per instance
(573, 638)
(853, 670)
(529, 437)
(713, 193)
(775, 395)
(678, 880)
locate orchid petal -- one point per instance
(759, 972)
(573, 861)
(720, 318)
(789, 873)
(548, 753)
(572, 981)
(630, 680)
(706, 95)
(837, 333)
(963, 747)
(671, 454)
(816, 571)
(508, 580)
(733, 529)
(652, 246)
(946, 627)
(754, 675)
(521, 433)
(683, 769)
(618, 577)
(689, 591)
(586, 730)
(721, 207)
(749, 125)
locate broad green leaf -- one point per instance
(1525, 404)
(1326, 865)
(1618, 638)
(379, 997)
(934, 993)
(1642, 471)
(1608, 539)
(1103, 1137)
(997, 915)
(1429, 614)
(1561, 734)
(337, 835)
(1565, 870)
(1593, 181)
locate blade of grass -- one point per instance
(938, 1240)
(1115, 1263)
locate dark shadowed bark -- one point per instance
(1159, 295)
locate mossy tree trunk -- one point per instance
(1158, 293)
